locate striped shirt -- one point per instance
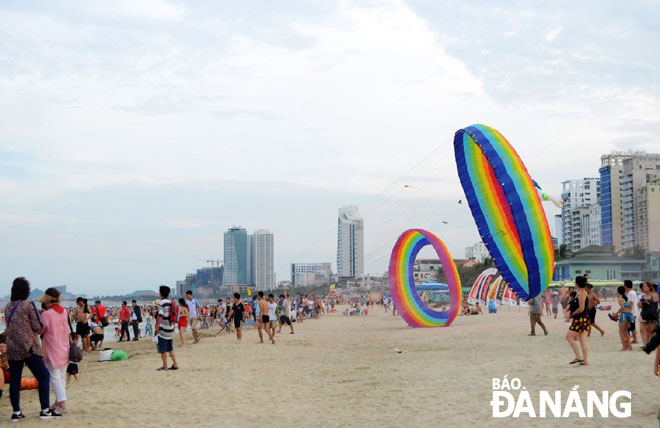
(165, 329)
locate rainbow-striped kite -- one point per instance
(506, 207)
(402, 282)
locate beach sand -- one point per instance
(344, 371)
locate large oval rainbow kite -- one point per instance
(402, 282)
(506, 207)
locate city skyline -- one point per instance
(134, 136)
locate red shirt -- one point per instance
(125, 314)
(99, 310)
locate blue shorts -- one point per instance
(626, 317)
(164, 345)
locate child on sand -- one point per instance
(147, 328)
(75, 356)
(571, 307)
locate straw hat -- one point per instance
(51, 296)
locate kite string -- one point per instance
(371, 204)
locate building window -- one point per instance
(587, 272)
(577, 272)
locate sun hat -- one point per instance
(51, 295)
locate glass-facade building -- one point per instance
(235, 257)
(606, 206)
(350, 242)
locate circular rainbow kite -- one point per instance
(402, 282)
(506, 207)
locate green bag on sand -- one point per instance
(119, 355)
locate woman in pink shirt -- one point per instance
(56, 345)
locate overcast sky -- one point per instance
(134, 133)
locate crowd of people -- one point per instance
(580, 305)
(51, 340)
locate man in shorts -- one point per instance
(285, 313)
(164, 329)
(264, 320)
(81, 315)
(193, 314)
(236, 312)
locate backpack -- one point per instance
(174, 308)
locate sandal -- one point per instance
(174, 368)
(582, 363)
(575, 361)
(161, 368)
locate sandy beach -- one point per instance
(344, 371)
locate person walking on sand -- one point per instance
(193, 314)
(23, 349)
(236, 312)
(555, 304)
(577, 332)
(535, 314)
(632, 299)
(648, 305)
(272, 314)
(285, 313)
(264, 320)
(165, 329)
(625, 316)
(547, 302)
(136, 319)
(183, 320)
(56, 345)
(124, 319)
(594, 301)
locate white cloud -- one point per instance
(552, 35)
(138, 94)
(150, 9)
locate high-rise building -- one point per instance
(558, 229)
(250, 260)
(576, 214)
(594, 225)
(235, 257)
(350, 242)
(623, 175)
(262, 260)
(610, 200)
(180, 289)
(208, 280)
(648, 216)
(310, 274)
(637, 173)
(477, 252)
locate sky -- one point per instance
(133, 134)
